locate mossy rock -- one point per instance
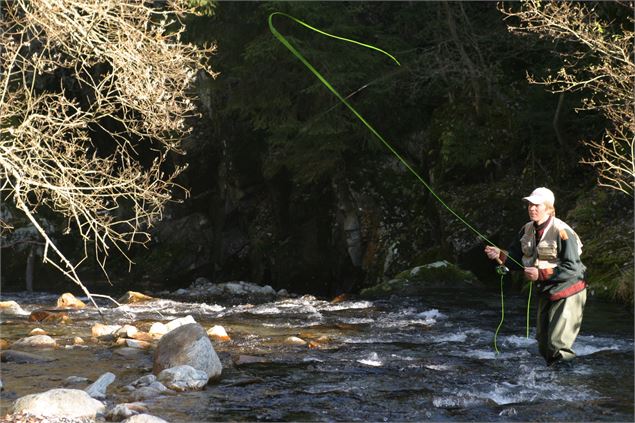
(413, 282)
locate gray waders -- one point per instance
(558, 325)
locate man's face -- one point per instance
(537, 212)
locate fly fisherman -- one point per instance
(550, 253)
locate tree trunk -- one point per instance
(30, 265)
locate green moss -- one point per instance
(413, 282)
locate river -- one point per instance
(428, 358)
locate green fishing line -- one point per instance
(328, 85)
(500, 324)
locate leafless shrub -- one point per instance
(120, 71)
(602, 65)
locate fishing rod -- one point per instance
(501, 269)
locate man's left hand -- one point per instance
(531, 273)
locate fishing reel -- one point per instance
(502, 270)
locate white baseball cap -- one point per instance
(540, 196)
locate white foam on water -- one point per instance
(356, 320)
(438, 367)
(372, 360)
(451, 337)
(433, 314)
(516, 341)
(346, 305)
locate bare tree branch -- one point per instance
(602, 65)
(89, 90)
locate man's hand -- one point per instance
(531, 273)
(492, 252)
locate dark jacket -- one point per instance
(567, 278)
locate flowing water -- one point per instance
(413, 359)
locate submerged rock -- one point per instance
(414, 281)
(20, 357)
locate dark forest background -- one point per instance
(288, 188)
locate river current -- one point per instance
(428, 358)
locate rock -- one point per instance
(37, 341)
(173, 324)
(20, 357)
(143, 336)
(218, 333)
(12, 308)
(127, 331)
(142, 345)
(188, 345)
(99, 329)
(144, 418)
(158, 328)
(294, 340)
(48, 316)
(144, 381)
(78, 341)
(133, 297)
(68, 300)
(4, 344)
(183, 378)
(66, 403)
(98, 389)
(38, 331)
(125, 410)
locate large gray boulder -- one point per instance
(187, 345)
(56, 403)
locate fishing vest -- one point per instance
(545, 254)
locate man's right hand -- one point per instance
(492, 252)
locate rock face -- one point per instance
(187, 345)
(68, 403)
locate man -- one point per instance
(549, 251)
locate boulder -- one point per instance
(187, 345)
(68, 300)
(38, 341)
(12, 308)
(60, 403)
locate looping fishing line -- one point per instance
(319, 76)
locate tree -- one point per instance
(94, 100)
(601, 63)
